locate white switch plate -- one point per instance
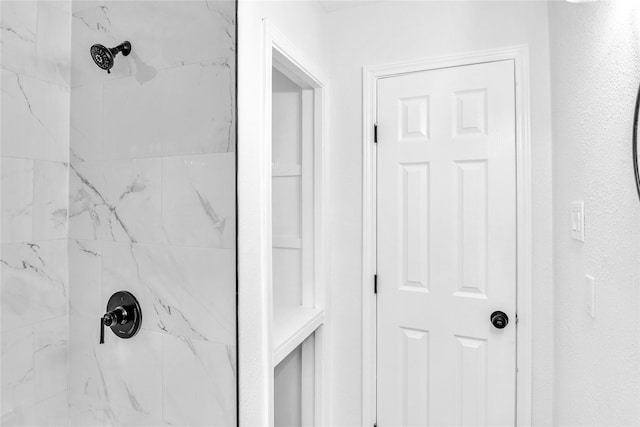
(577, 221)
(591, 295)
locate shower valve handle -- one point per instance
(118, 316)
(123, 315)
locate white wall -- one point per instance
(387, 32)
(595, 74)
(303, 24)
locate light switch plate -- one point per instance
(590, 283)
(577, 221)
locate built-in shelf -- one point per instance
(282, 170)
(286, 242)
(291, 326)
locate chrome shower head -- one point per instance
(104, 56)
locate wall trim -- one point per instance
(524, 306)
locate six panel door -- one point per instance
(446, 242)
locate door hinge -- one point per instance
(375, 283)
(375, 133)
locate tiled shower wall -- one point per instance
(121, 181)
(152, 211)
(35, 43)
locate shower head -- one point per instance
(104, 56)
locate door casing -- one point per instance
(524, 315)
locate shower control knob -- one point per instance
(123, 315)
(499, 319)
(117, 316)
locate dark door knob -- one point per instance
(499, 319)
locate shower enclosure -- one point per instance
(120, 181)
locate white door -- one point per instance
(446, 239)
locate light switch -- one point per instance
(591, 295)
(577, 221)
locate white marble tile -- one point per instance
(85, 278)
(35, 118)
(17, 200)
(109, 24)
(119, 374)
(34, 282)
(198, 200)
(63, 5)
(52, 412)
(160, 41)
(86, 380)
(50, 200)
(132, 371)
(209, 35)
(86, 123)
(116, 200)
(85, 414)
(53, 42)
(198, 383)
(16, 369)
(18, 23)
(184, 110)
(183, 291)
(50, 357)
(102, 415)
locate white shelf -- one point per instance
(291, 326)
(286, 242)
(282, 170)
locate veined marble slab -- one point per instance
(183, 291)
(17, 199)
(19, 23)
(17, 377)
(52, 412)
(117, 375)
(50, 357)
(199, 382)
(183, 110)
(85, 278)
(35, 118)
(116, 200)
(34, 282)
(198, 200)
(86, 123)
(172, 33)
(51, 200)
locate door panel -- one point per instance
(446, 239)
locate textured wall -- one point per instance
(595, 75)
(152, 211)
(35, 40)
(362, 36)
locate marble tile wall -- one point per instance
(34, 154)
(110, 182)
(152, 211)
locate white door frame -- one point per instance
(524, 315)
(254, 176)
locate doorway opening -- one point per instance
(414, 107)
